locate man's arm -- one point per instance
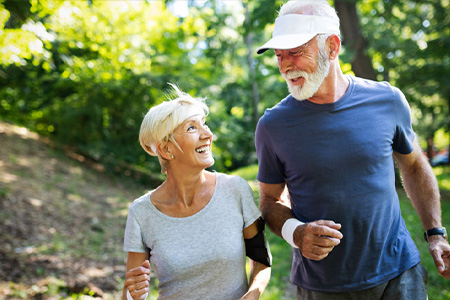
(315, 239)
(274, 206)
(423, 191)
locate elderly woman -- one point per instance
(197, 227)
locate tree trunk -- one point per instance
(251, 67)
(448, 130)
(430, 148)
(353, 39)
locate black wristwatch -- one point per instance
(435, 231)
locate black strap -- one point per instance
(257, 247)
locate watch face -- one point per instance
(442, 231)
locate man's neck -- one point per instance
(333, 88)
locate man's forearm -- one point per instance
(275, 213)
(423, 190)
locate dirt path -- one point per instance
(61, 223)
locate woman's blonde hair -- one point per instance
(161, 121)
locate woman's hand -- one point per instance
(251, 295)
(259, 278)
(137, 281)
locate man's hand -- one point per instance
(440, 251)
(137, 281)
(317, 239)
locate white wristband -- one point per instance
(287, 231)
(131, 298)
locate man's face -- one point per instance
(304, 68)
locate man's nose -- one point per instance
(284, 63)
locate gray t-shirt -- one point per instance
(201, 256)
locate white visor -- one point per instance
(294, 30)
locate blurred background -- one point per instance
(77, 77)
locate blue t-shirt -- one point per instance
(336, 160)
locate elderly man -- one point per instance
(332, 142)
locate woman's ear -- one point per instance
(164, 151)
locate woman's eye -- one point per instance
(190, 128)
(205, 125)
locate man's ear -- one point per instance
(333, 46)
(164, 151)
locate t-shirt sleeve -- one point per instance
(250, 211)
(404, 133)
(270, 168)
(133, 241)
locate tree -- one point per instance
(408, 42)
(353, 39)
(105, 63)
(91, 83)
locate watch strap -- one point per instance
(435, 231)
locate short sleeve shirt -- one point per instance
(201, 256)
(336, 160)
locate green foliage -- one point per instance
(104, 72)
(408, 42)
(248, 173)
(443, 175)
(101, 65)
(85, 72)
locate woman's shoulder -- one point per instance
(138, 203)
(233, 184)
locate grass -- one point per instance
(438, 287)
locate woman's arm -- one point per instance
(259, 278)
(137, 276)
(259, 273)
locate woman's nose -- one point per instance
(206, 133)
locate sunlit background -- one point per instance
(78, 76)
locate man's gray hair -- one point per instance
(311, 7)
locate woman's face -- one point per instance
(195, 139)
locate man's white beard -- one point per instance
(312, 80)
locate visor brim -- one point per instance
(288, 41)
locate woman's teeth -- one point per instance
(202, 149)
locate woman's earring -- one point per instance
(172, 157)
